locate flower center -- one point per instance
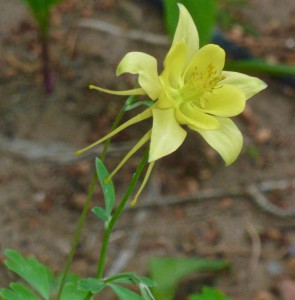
(197, 84)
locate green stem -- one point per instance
(87, 202)
(77, 234)
(115, 217)
(117, 214)
(259, 65)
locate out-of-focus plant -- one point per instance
(204, 14)
(209, 294)
(40, 10)
(168, 273)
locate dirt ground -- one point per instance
(194, 206)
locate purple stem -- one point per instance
(46, 72)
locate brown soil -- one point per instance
(194, 206)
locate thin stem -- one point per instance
(77, 234)
(46, 70)
(115, 217)
(87, 202)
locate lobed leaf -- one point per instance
(93, 285)
(18, 291)
(33, 272)
(71, 292)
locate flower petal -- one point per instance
(146, 67)
(224, 101)
(138, 91)
(248, 84)
(207, 62)
(227, 140)
(138, 118)
(188, 114)
(186, 32)
(135, 148)
(143, 184)
(174, 65)
(167, 134)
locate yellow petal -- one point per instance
(138, 91)
(146, 67)
(248, 84)
(167, 134)
(142, 141)
(224, 101)
(227, 140)
(174, 65)
(186, 32)
(188, 114)
(138, 118)
(209, 60)
(143, 184)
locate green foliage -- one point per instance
(108, 191)
(203, 13)
(124, 293)
(130, 278)
(37, 275)
(18, 291)
(41, 11)
(42, 284)
(258, 65)
(168, 272)
(71, 291)
(92, 285)
(209, 294)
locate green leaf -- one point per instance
(35, 273)
(100, 213)
(145, 292)
(127, 277)
(130, 277)
(209, 294)
(147, 281)
(71, 292)
(91, 285)
(71, 289)
(107, 188)
(168, 272)
(40, 10)
(203, 13)
(259, 65)
(124, 293)
(18, 291)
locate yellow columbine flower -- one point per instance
(192, 90)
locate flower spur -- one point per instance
(192, 90)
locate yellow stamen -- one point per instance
(143, 184)
(142, 141)
(140, 117)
